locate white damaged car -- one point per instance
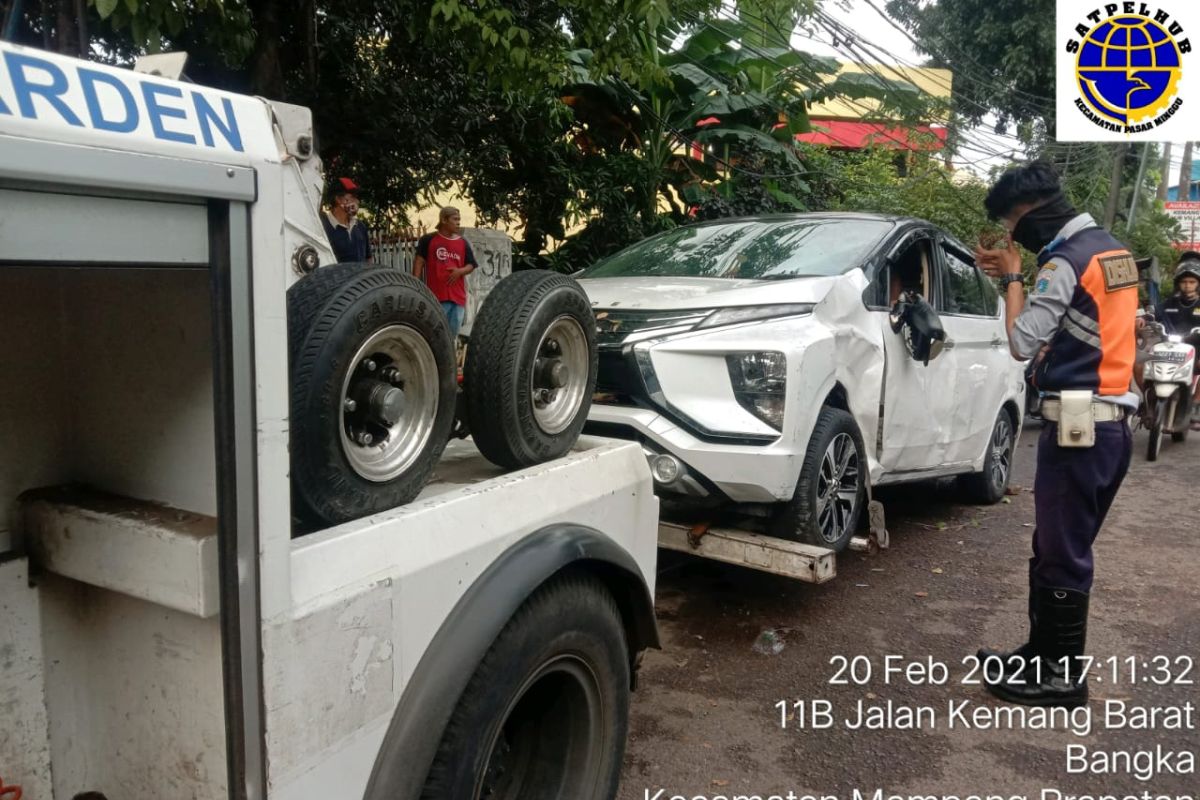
(796, 360)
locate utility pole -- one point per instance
(1114, 184)
(1164, 181)
(1185, 174)
(1137, 187)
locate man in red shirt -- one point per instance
(444, 260)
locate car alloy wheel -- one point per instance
(837, 488)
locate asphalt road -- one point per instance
(705, 720)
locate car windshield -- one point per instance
(749, 249)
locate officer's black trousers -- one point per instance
(1073, 491)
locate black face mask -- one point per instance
(1040, 225)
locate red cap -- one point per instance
(347, 185)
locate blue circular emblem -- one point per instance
(1128, 68)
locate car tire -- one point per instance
(546, 712)
(535, 331)
(988, 486)
(834, 458)
(377, 331)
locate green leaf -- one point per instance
(106, 7)
(695, 77)
(787, 198)
(723, 105)
(745, 135)
(712, 37)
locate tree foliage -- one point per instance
(1000, 52)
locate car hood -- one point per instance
(685, 293)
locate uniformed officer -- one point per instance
(1077, 329)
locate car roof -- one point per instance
(799, 215)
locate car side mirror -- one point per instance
(914, 319)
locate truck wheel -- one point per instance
(545, 715)
(310, 294)
(372, 391)
(829, 495)
(531, 369)
(987, 487)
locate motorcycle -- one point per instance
(1170, 381)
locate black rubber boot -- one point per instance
(1053, 677)
(1000, 665)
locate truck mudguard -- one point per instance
(446, 667)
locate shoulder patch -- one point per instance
(1049, 266)
(1120, 272)
(1041, 286)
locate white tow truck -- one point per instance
(238, 564)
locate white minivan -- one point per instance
(797, 360)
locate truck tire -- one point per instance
(373, 387)
(829, 498)
(545, 715)
(987, 487)
(531, 369)
(309, 295)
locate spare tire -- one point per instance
(373, 385)
(531, 369)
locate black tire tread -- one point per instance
(492, 364)
(308, 296)
(340, 297)
(568, 591)
(975, 486)
(788, 521)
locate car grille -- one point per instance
(614, 325)
(617, 379)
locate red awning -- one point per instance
(859, 135)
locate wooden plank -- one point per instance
(790, 559)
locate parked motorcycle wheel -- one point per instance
(1182, 422)
(1165, 411)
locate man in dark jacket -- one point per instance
(1180, 314)
(348, 235)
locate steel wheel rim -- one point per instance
(1001, 453)
(564, 736)
(837, 488)
(564, 341)
(397, 447)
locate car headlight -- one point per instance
(760, 384)
(732, 316)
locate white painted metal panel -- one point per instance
(40, 227)
(25, 737)
(159, 554)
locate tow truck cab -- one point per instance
(163, 633)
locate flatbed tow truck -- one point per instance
(219, 576)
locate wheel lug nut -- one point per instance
(349, 405)
(364, 438)
(368, 365)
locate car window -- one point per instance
(907, 270)
(962, 287)
(764, 249)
